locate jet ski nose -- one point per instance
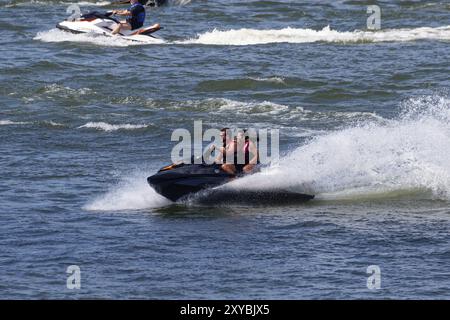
(152, 181)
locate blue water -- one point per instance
(364, 119)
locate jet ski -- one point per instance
(179, 181)
(103, 24)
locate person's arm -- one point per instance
(219, 158)
(208, 153)
(225, 151)
(253, 150)
(122, 12)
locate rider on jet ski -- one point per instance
(231, 148)
(136, 17)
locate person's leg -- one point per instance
(229, 168)
(121, 26)
(248, 168)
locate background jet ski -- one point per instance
(103, 24)
(178, 181)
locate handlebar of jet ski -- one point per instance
(108, 15)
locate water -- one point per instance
(364, 121)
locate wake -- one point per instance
(246, 37)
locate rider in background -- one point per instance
(135, 20)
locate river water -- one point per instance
(364, 120)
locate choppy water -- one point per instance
(365, 125)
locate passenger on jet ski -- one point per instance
(249, 148)
(135, 20)
(232, 148)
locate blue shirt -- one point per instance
(137, 18)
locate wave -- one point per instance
(97, 3)
(57, 36)
(102, 126)
(52, 124)
(277, 80)
(132, 193)
(56, 92)
(11, 123)
(244, 36)
(265, 111)
(248, 83)
(112, 127)
(52, 3)
(45, 123)
(409, 154)
(221, 106)
(226, 105)
(63, 90)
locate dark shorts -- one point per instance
(239, 167)
(134, 24)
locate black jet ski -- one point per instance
(178, 181)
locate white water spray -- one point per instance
(408, 154)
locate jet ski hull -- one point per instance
(180, 181)
(67, 29)
(254, 197)
(183, 180)
(102, 24)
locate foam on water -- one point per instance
(11, 123)
(55, 35)
(277, 80)
(64, 91)
(222, 106)
(48, 123)
(96, 3)
(265, 107)
(294, 35)
(132, 193)
(112, 127)
(52, 3)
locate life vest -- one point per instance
(245, 151)
(138, 15)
